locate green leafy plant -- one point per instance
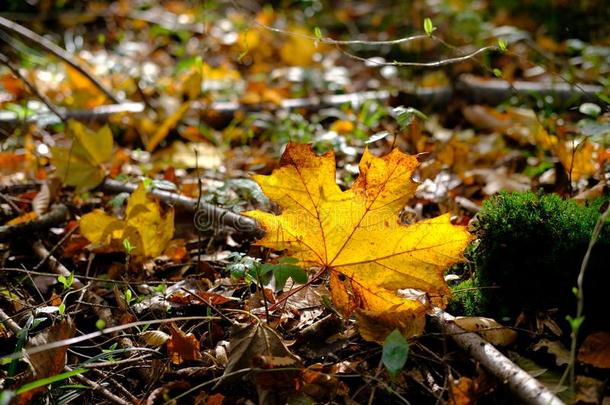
(285, 268)
(66, 281)
(429, 28)
(394, 353)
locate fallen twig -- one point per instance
(6, 62)
(56, 216)
(207, 216)
(522, 384)
(49, 46)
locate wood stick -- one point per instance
(57, 215)
(207, 216)
(49, 46)
(522, 384)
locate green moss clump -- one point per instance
(530, 251)
(467, 298)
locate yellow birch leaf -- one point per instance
(298, 49)
(578, 159)
(169, 123)
(357, 236)
(146, 226)
(81, 165)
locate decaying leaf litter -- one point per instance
(380, 181)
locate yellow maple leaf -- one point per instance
(357, 236)
(146, 226)
(81, 165)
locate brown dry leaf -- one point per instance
(357, 235)
(251, 342)
(175, 250)
(11, 162)
(182, 155)
(182, 346)
(589, 390)
(201, 297)
(488, 328)
(47, 194)
(556, 348)
(49, 362)
(595, 350)
(321, 385)
(462, 392)
(499, 179)
(154, 338)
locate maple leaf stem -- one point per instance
(284, 299)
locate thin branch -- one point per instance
(56, 216)
(49, 46)
(438, 63)
(6, 62)
(522, 384)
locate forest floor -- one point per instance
(238, 202)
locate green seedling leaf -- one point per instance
(497, 73)
(128, 296)
(429, 28)
(395, 352)
(128, 246)
(62, 308)
(286, 268)
(317, 32)
(66, 281)
(575, 323)
(405, 115)
(502, 44)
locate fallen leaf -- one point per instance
(182, 346)
(81, 165)
(578, 158)
(49, 362)
(298, 50)
(147, 227)
(82, 92)
(182, 155)
(154, 338)
(589, 390)
(251, 343)
(11, 162)
(489, 329)
(556, 348)
(199, 298)
(21, 219)
(357, 235)
(343, 127)
(462, 392)
(163, 129)
(595, 350)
